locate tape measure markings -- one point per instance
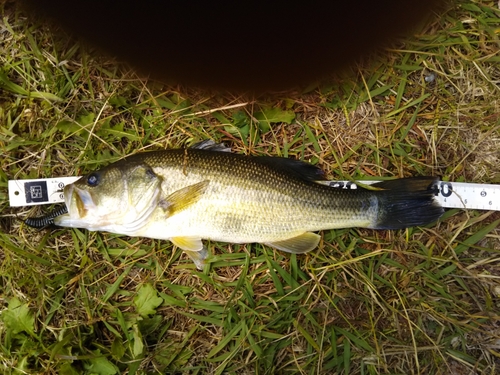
(465, 195)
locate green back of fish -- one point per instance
(187, 195)
(261, 198)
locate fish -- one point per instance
(188, 195)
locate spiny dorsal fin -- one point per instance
(210, 145)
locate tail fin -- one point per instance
(407, 202)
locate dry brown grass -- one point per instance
(390, 302)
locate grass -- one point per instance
(424, 300)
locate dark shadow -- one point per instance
(240, 45)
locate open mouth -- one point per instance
(80, 205)
(78, 201)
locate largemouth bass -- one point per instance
(186, 195)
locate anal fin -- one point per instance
(297, 245)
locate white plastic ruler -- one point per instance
(38, 191)
(463, 195)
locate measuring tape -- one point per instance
(449, 194)
(463, 195)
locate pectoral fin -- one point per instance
(194, 248)
(297, 245)
(183, 198)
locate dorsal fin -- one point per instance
(297, 168)
(210, 145)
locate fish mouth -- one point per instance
(77, 201)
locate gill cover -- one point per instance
(119, 197)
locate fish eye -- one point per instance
(93, 179)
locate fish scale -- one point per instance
(186, 195)
(288, 196)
